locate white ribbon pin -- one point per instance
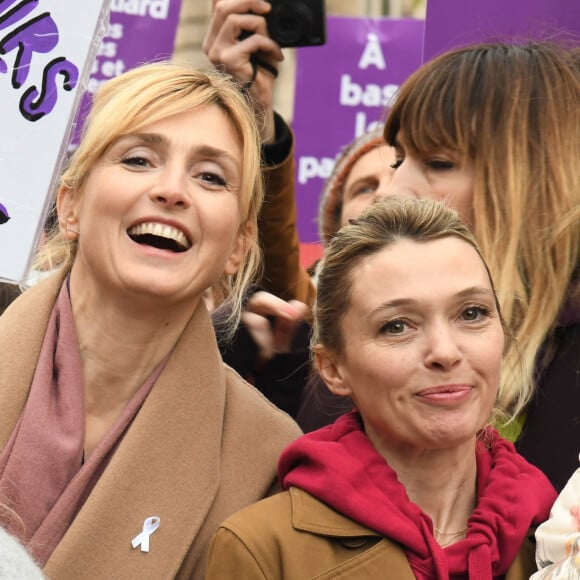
(142, 539)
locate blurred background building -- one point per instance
(195, 17)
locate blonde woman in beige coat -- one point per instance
(125, 441)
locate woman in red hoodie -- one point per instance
(414, 483)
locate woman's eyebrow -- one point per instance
(152, 138)
(203, 150)
(471, 292)
(215, 153)
(476, 291)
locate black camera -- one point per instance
(297, 22)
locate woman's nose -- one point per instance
(170, 190)
(384, 186)
(442, 349)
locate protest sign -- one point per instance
(451, 23)
(342, 89)
(46, 50)
(135, 32)
(139, 31)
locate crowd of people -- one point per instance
(188, 401)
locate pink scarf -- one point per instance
(339, 466)
(43, 479)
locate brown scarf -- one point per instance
(43, 480)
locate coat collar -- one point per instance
(315, 517)
(159, 452)
(311, 515)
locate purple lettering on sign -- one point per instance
(37, 35)
(4, 217)
(34, 105)
(16, 14)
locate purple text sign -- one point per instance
(138, 32)
(451, 23)
(341, 90)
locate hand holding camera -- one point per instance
(222, 44)
(244, 38)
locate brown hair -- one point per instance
(512, 111)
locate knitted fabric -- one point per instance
(330, 205)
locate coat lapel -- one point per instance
(166, 466)
(22, 329)
(382, 557)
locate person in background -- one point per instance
(361, 175)
(513, 172)
(253, 58)
(493, 129)
(414, 483)
(124, 438)
(558, 539)
(270, 348)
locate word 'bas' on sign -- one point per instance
(32, 35)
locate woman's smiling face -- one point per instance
(423, 345)
(159, 214)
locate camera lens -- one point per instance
(290, 22)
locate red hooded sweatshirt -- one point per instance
(339, 465)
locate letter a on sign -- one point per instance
(372, 54)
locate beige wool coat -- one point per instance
(294, 536)
(203, 445)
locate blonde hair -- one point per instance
(381, 225)
(145, 95)
(512, 112)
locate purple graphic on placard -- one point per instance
(4, 217)
(451, 23)
(32, 36)
(39, 34)
(342, 88)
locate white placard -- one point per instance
(47, 48)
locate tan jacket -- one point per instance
(203, 445)
(283, 275)
(293, 536)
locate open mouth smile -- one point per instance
(161, 236)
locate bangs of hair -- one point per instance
(450, 101)
(431, 110)
(133, 95)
